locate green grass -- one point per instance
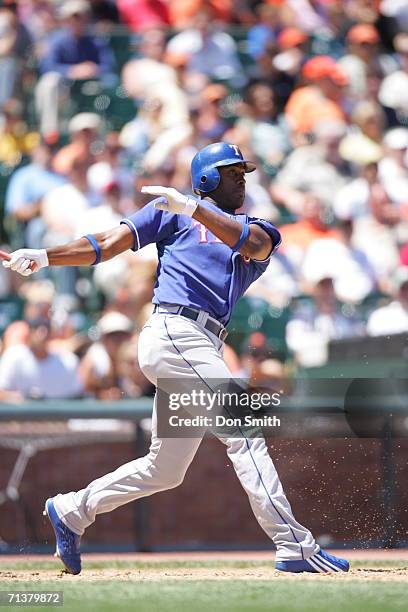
(245, 595)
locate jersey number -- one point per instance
(204, 234)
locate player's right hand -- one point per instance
(27, 261)
(172, 201)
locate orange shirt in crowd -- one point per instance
(304, 232)
(307, 106)
(181, 11)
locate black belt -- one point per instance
(212, 325)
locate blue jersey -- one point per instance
(196, 268)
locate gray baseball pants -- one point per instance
(174, 347)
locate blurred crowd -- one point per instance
(314, 91)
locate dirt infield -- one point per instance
(200, 574)
(387, 566)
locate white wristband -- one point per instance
(190, 207)
(43, 262)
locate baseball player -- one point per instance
(208, 256)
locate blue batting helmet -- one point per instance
(204, 167)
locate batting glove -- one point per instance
(172, 201)
(27, 261)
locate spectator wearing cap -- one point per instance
(363, 143)
(362, 59)
(84, 130)
(287, 63)
(71, 54)
(393, 318)
(393, 92)
(34, 371)
(322, 99)
(99, 367)
(15, 43)
(25, 192)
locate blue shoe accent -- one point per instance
(320, 562)
(68, 542)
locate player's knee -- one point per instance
(174, 482)
(168, 477)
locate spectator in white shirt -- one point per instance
(315, 323)
(212, 52)
(33, 371)
(393, 318)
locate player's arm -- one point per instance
(250, 240)
(82, 252)
(256, 245)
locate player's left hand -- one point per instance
(27, 261)
(172, 201)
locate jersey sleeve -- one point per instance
(271, 230)
(150, 225)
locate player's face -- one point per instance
(230, 193)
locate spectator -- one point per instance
(363, 142)
(315, 323)
(261, 368)
(99, 368)
(25, 192)
(73, 54)
(393, 168)
(293, 51)
(321, 99)
(393, 318)
(113, 156)
(15, 43)
(316, 167)
(353, 276)
(363, 45)
(264, 129)
(133, 382)
(16, 141)
(312, 225)
(162, 121)
(393, 92)
(264, 33)
(365, 201)
(33, 371)
(84, 131)
(112, 275)
(210, 122)
(211, 51)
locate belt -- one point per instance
(212, 325)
